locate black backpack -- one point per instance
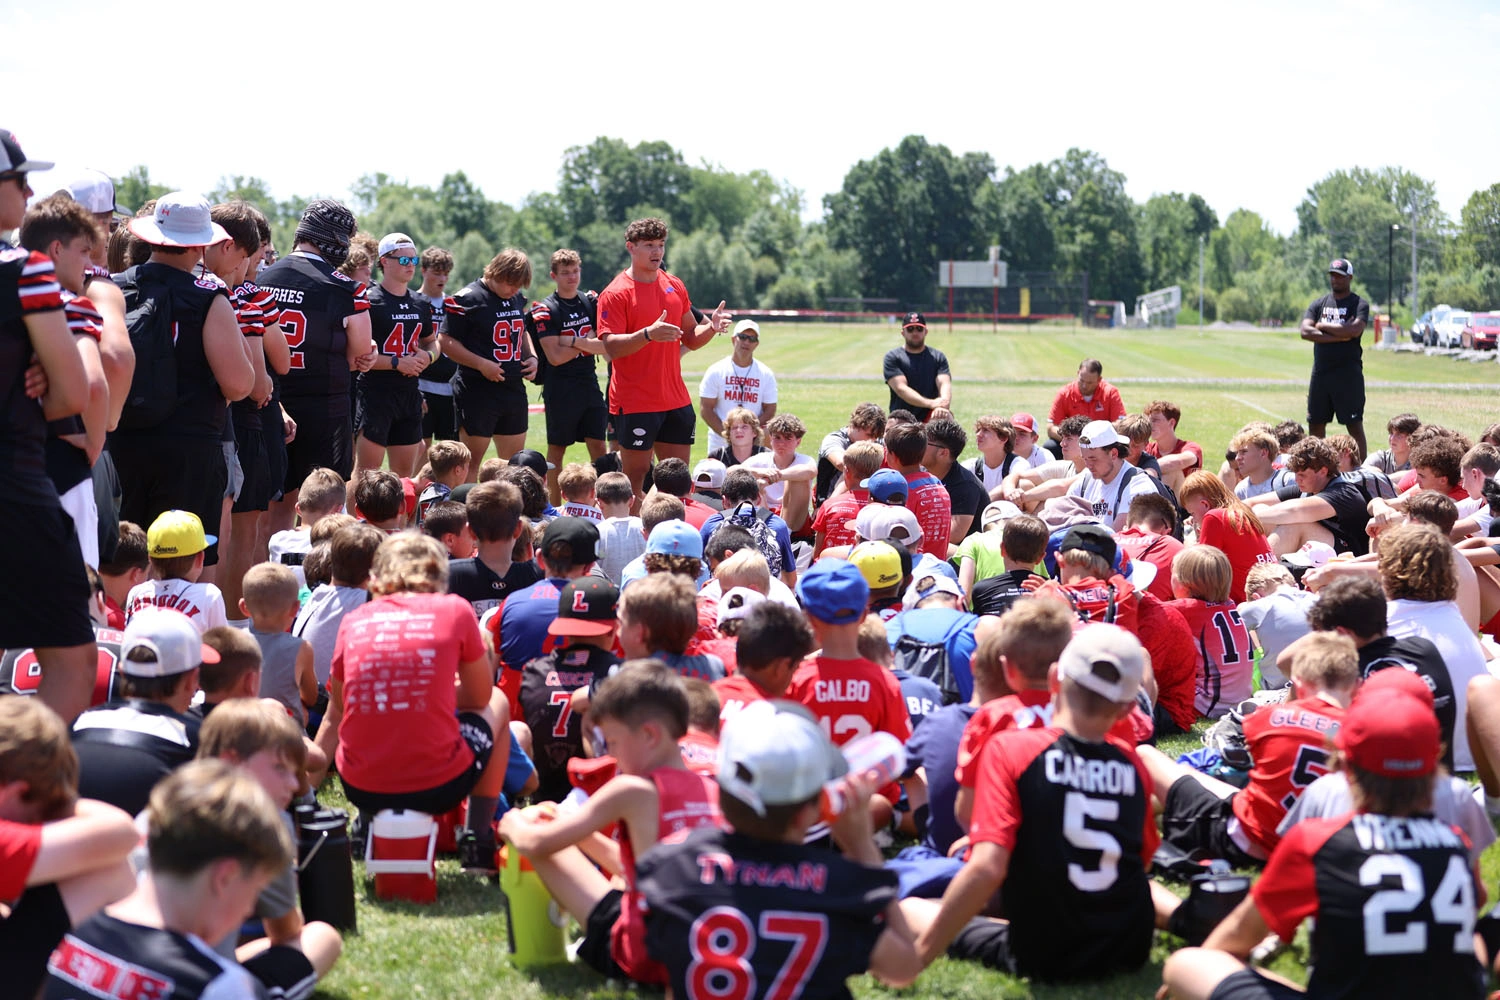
(756, 522)
(929, 661)
(153, 338)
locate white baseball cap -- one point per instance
(998, 510)
(180, 219)
(926, 586)
(95, 191)
(1100, 434)
(747, 324)
(1311, 554)
(774, 753)
(160, 642)
(1107, 660)
(709, 473)
(737, 603)
(391, 242)
(879, 522)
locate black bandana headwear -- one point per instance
(327, 225)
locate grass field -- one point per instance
(1220, 379)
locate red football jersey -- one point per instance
(851, 698)
(1226, 663)
(835, 514)
(1287, 744)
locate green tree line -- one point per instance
(741, 237)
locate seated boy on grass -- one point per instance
(258, 736)
(639, 714)
(816, 917)
(61, 857)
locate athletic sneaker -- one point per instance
(476, 854)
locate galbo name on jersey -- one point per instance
(716, 867)
(1106, 777)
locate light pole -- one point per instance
(1200, 282)
(1390, 290)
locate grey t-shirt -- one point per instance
(318, 622)
(1452, 802)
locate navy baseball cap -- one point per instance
(886, 486)
(914, 319)
(834, 591)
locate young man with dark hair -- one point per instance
(786, 475)
(1109, 483)
(806, 937)
(1437, 465)
(439, 421)
(742, 507)
(1148, 536)
(671, 476)
(917, 375)
(967, 496)
(379, 499)
(485, 332)
(562, 325)
(1023, 543)
(772, 642)
(645, 317)
(1320, 507)
(926, 497)
(866, 423)
(490, 575)
(1177, 458)
(401, 328)
(1397, 457)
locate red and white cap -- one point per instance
(1023, 422)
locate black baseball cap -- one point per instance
(1341, 266)
(532, 459)
(12, 160)
(588, 605)
(914, 319)
(1095, 538)
(578, 533)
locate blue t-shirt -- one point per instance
(524, 618)
(934, 747)
(921, 695)
(778, 528)
(956, 628)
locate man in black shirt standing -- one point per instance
(918, 375)
(562, 327)
(1334, 324)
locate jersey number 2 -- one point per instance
(723, 942)
(294, 327)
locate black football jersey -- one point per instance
(1075, 815)
(729, 915)
(397, 324)
(314, 300)
(557, 317)
(444, 368)
(108, 957)
(28, 285)
(492, 328)
(21, 671)
(1422, 658)
(1394, 902)
(547, 686)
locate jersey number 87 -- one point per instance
(723, 942)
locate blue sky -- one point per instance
(1246, 104)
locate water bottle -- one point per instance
(880, 753)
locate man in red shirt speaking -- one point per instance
(1089, 396)
(645, 318)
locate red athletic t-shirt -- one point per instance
(852, 698)
(1287, 744)
(835, 514)
(928, 499)
(685, 801)
(725, 647)
(19, 844)
(1069, 402)
(1154, 450)
(735, 692)
(1244, 548)
(700, 752)
(1174, 658)
(398, 658)
(696, 512)
(650, 380)
(1158, 550)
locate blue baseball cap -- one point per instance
(675, 538)
(834, 591)
(886, 486)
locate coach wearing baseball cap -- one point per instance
(917, 374)
(1334, 324)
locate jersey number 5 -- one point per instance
(507, 337)
(1077, 810)
(294, 326)
(723, 942)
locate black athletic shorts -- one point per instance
(488, 412)
(447, 796)
(985, 941)
(1337, 394)
(35, 926)
(325, 439)
(594, 949)
(1195, 819)
(159, 472)
(439, 419)
(575, 412)
(256, 486)
(1247, 984)
(284, 971)
(642, 431)
(387, 419)
(273, 432)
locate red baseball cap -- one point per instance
(1023, 422)
(1390, 733)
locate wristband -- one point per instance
(432, 356)
(395, 364)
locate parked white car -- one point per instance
(1448, 331)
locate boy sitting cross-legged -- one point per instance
(639, 714)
